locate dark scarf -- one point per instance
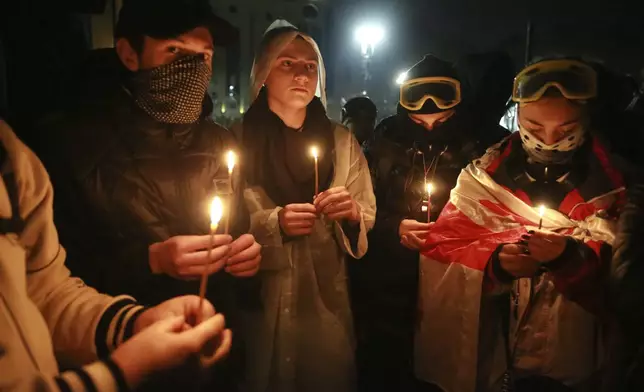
(278, 158)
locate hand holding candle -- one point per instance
(543, 246)
(413, 233)
(337, 204)
(314, 154)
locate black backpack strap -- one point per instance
(14, 224)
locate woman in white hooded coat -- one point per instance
(299, 336)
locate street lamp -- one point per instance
(369, 36)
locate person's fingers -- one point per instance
(299, 216)
(329, 192)
(246, 269)
(420, 233)
(549, 235)
(222, 350)
(195, 272)
(246, 274)
(513, 249)
(292, 216)
(536, 246)
(404, 240)
(191, 243)
(169, 324)
(247, 265)
(340, 206)
(514, 258)
(544, 242)
(303, 207)
(412, 225)
(242, 243)
(323, 202)
(339, 215)
(203, 257)
(249, 253)
(415, 240)
(191, 307)
(305, 224)
(195, 338)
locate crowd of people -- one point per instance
(437, 251)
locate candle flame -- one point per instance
(216, 211)
(429, 187)
(542, 210)
(231, 159)
(314, 152)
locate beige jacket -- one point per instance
(48, 318)
(304, 331)
(301, 337)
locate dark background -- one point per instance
(612, 31)
(39, 38)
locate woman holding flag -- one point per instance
(511, 300)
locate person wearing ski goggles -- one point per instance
(445, 92)
(574, 79)
(529, 226)
(552, 97)
(429, 140)
(430, 100)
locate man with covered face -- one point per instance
(136, 160)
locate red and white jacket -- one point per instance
(459, 341)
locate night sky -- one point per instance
(609, 30)
(452, 27)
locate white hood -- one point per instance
(270, 50)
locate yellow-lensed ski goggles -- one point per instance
(445, 92)
(574, 79)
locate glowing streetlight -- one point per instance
(369, 36)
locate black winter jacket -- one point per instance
(123, 182)
(627, 277)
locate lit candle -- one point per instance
(542, 210)
(231, 160)
(429, 188)
(314, 153)
(216, 212)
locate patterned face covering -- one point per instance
(557, 153)
(172, 93)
